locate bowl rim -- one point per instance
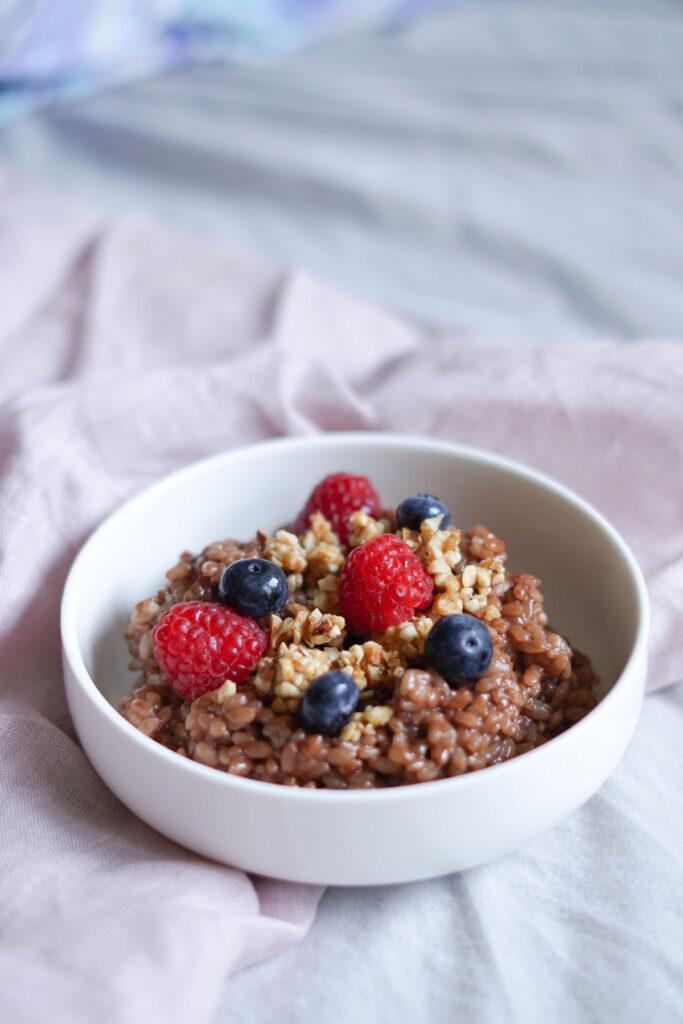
(256, 787)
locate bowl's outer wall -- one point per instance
(590, 595)
(440, 827)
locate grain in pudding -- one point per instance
(362, 647)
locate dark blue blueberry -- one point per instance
(459, 647)
(413, 511)
(328, 703)
(253, 586)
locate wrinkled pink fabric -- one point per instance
(126, 353)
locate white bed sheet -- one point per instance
(510, 170)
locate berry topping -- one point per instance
(337, 496)
(413, 511)
(253, 586)
(459, 647)
(199, 645)
(328, 703)
(382, 583)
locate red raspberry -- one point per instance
(337, 496)
(381, 583)
(199, 645)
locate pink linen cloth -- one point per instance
(126, 353)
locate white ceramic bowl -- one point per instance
(594, 592)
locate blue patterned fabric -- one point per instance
(60, 49)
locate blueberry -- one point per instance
(413, 511)
(253, 586)
(328, 703)
(459, 647)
